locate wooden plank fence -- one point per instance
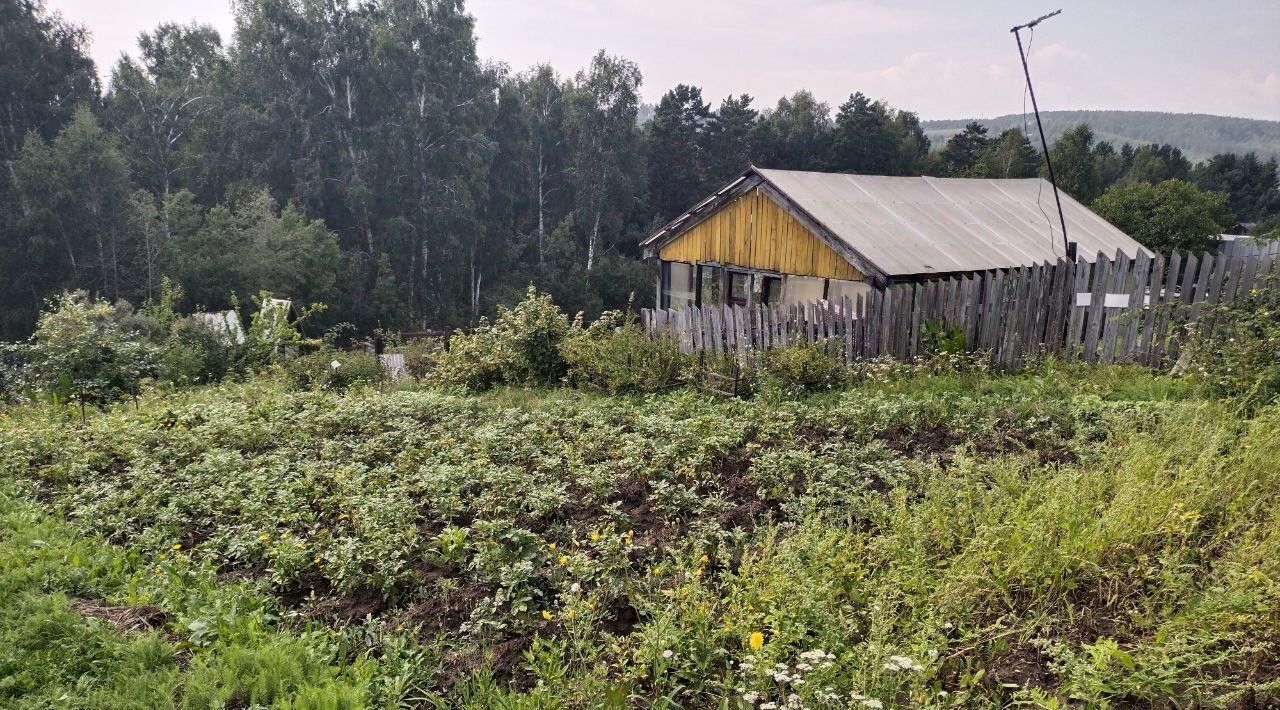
(1108, 310)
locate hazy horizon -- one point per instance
(942, 61)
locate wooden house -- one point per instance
(780, 236)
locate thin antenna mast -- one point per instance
(1044, 144)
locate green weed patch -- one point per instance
(1061, 535)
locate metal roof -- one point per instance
(926, 225)
(922, 225)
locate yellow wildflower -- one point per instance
(176, 547)
(595, 536)
(564, 559)
(568, 614)
(551, 546)
(756, 640)
(546, 615)
(697, 572)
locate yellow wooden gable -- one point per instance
(753, 231)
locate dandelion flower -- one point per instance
(563, 559)
(551, 546)
(546, 615)
(756, 640)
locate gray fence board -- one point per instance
(1059, 308)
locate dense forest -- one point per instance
(363, 156)
(1199, 135)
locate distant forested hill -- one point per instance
(1198, 135)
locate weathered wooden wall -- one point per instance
(1112, 310)
(753, 231)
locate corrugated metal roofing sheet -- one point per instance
(924, 225)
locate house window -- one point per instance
(838, 289)
(678, 284)
(711, 290)
(802, 289)
(739, 288)
(768, 289)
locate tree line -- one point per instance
(363, 155)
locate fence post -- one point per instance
(1152, 303)
(918, 307)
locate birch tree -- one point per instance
(605, 144)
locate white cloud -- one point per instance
(1058, 53)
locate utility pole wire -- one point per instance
(1044, 144)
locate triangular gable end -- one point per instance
(750, 223)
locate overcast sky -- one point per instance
(940, 58)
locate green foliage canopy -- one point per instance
(1173, 214)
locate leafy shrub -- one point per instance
(275, 331)
(337, 370)
(521, 346)
(1237, 346)
(807, 367)
(80, 351)
(197, 353)
(614, 354)
(420, 356)
(475, 360)
(531, 333)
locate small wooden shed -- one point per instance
(781, 236)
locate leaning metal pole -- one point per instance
(1044, 144)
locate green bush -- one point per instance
(196, 353)
(807, 367)
(521, 346)
(333, 370)
(1236, 348)
(420, 356)
(13, 371)
(81, 352)
(474, 360)
(616, 355)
